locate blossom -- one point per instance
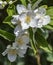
(2, 4)
(12, 52)
(27, 20)
(20, 9)
(41, 18)
(21, 41)
(31, 18)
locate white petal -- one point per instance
(24, 46)
(25, 39)
(36, 10)
(11, 57)
(46, 20)
(22, 17)
(14, 45)
(32, 23)
(5, 52)
(17, 30)
(24, 26)
(21, 9)
(9, 46)
(1, 2)
(22, 52)
(40, 23)
(42, 11)
(14, 21)
(16, 17)
(29, 6)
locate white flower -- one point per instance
(27, 20)
(18, 30)
(21, 41)
(20, 9)
(41, 18)
(2, 4)
(25, 17)
(30, 18)
(12, 53)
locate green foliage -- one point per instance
(51, 22)
(50, 57)
(11, 10)
(50, 11)
(48, 27)
(8, 21)
(41, 42)
(6, 35)
(23, 2)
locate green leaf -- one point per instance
(42, 43)
(36, 4)
(8, 21)
(23, 2)
(50, 57)
(51, 64)
(31, 39)
(49, 27)
(51, 23)
(6, 35)
(11, 10)
(50, 11)
(44, 6)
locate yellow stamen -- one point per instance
(28, 19)
(12, 51)
(20, 41)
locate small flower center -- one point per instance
(12, 51)
(20, 41)
(28, 19)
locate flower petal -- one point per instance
(11, 57)
(5, 52)
(17, 30)
(22, 52)
(16, 17)
(25, 39)
(46, 20)
(42, 11)
(29, 6)
(32, 23)
(22, 17)
(24, 26)
(21, 9)
(14, 21)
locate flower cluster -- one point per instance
(25, 19)
(2, 3)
